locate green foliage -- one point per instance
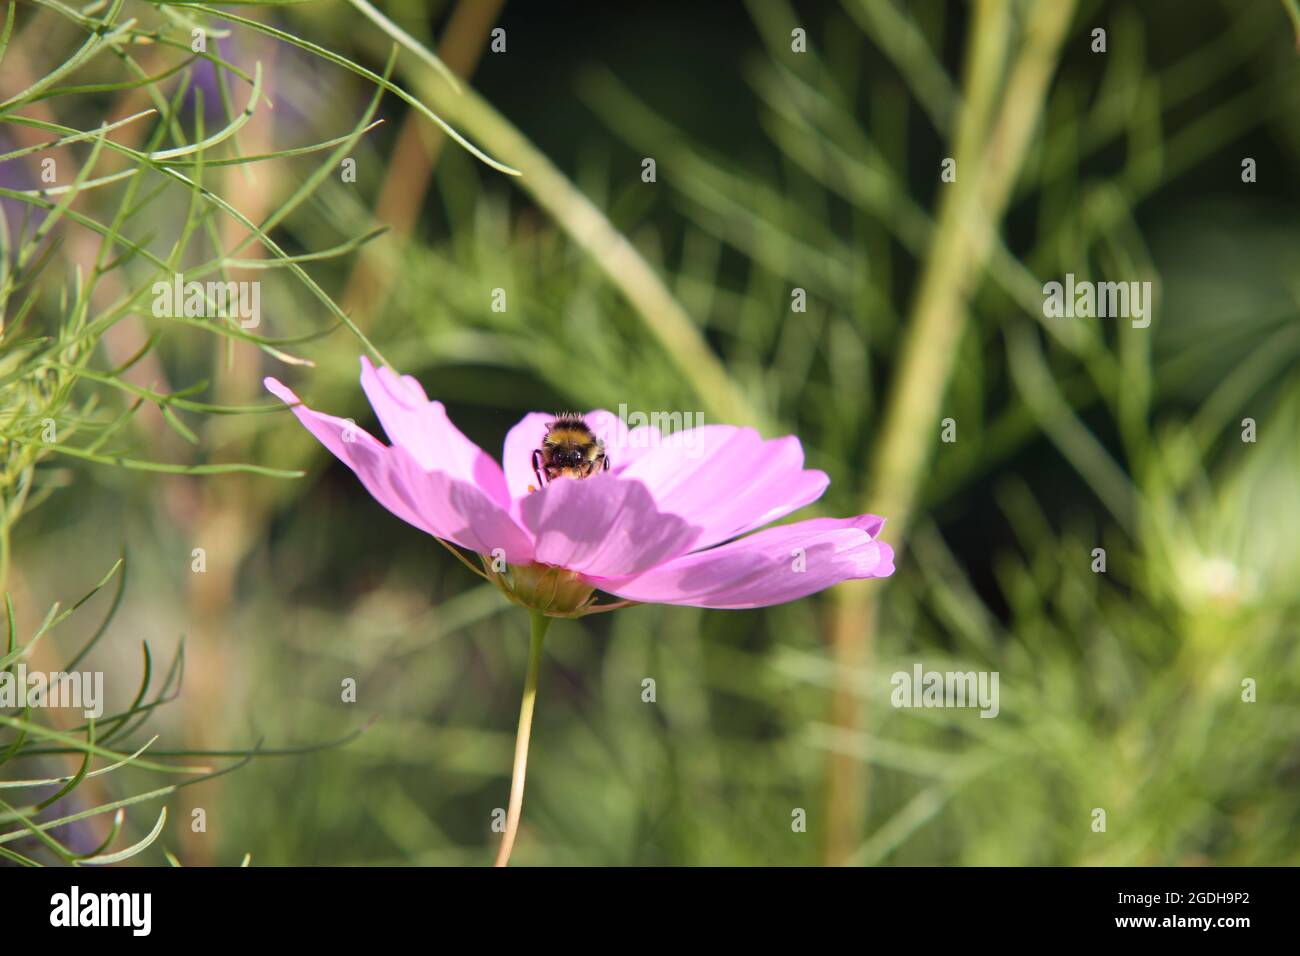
(1120, 691)
(69, 308)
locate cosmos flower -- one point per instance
(670, 522)
(582, 503)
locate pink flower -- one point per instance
(670, 522)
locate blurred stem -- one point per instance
(992, 139)
(419, 144)
(1293, 11)
(10, 509)
(622, 264)
(540, 623)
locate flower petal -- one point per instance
(517, 455)
(770, 567)
(433, 501)
(727, 480)
(603, 525)
(423, 429)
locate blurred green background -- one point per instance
(775, 170)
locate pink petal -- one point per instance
(761, 569)
(423, 429)
(623, 446)
(517, 455)
(433, 501)
(603, 526)
(727, 480)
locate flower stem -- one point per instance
(540, 623)
(659, 310)
(993, 139)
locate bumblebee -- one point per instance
(570, 449)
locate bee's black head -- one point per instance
(567, 457)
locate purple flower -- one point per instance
(651, 518)
(669, 523)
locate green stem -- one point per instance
(623, 264)
(993, 138)
(540, 623)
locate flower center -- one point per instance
(554, 591)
